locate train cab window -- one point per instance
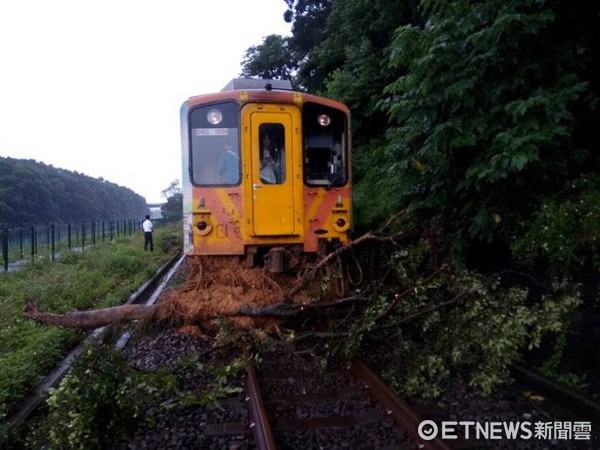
(272, 153)
(214, 150)
(324, 140)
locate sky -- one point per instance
(96, 86)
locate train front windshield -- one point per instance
(215, 155)
(215, 151)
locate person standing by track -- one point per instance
(148, 231)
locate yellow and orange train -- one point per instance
(266, 173)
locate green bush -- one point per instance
(94, 404)
(457, 321)
(565, 231)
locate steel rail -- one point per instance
(407, 418)
(569, 398)
(261, 427)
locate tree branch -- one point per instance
(285, 310)
(369, 236)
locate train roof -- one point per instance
(256, 83)
(248, 90)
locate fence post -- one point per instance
(21, 238)
(5, 247)
(82, 236)
(52, 233)
(32, 242)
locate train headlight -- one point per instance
(324, 120)
(204, 227)
(214, 116)
(341, 224)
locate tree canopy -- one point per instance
(172, 209)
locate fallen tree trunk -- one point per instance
(89, 320)
(206, 307)
(92, 319)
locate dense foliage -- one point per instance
(476, 119)
(429, 320)
(35, 192)
(115, 396)
(488, 121)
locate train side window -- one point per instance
(325, 153)
(214, 149)
(272, 153)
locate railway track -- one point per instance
(295, 406)
(286, 401)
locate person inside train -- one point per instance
(271, 160)
(228, 164)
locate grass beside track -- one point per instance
(103, 275)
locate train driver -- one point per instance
(271, 160)
(228, 164)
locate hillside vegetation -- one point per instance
(31, 191)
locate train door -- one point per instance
(273, 170)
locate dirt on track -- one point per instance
(217, 286)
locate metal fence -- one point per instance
(26, 242)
